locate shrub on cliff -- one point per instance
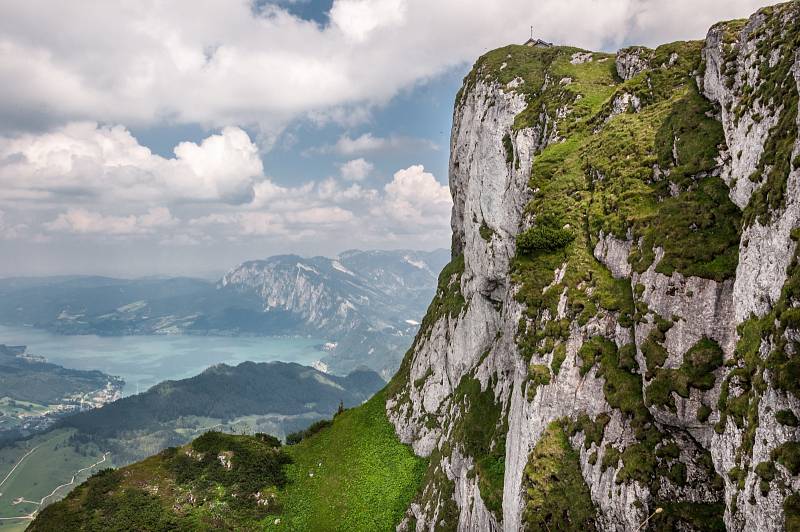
(543, 238)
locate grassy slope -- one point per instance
(366, 479)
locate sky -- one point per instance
(177, 137)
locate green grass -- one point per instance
(554, 493)
(592, 430)
(786, 417)
(13, 526)
(688, 515)
(366, 479)
(696, 371)
(11, 407)
(791, 511)
(788, 455)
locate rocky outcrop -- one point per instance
(635, 341)
(632, 61)
(734, 56)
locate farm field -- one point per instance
(31, 472)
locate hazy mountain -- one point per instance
(364, 304)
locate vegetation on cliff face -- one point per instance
(696, 371)
(555, 494)
(776, 90)
(635, 160)
(482, 429)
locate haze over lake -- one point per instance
(147, 360)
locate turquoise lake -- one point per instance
(147, 360)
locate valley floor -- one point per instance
(40, 471)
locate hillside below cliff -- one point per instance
(615, 344)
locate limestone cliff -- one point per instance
(618, 330)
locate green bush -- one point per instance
(559, 356)
(482, 429)
(555, 495)
(509, 148)
(788, 455)
(543, 238)
(791, 512)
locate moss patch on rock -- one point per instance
(554, 493)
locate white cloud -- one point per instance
(330, 189)
(320, 216)
(84, 159)
(244, 223)
(358, 18)
(367, 142)
(218, 63)
(413, 203)
(82, 221)
(415, 200)
(356, 169)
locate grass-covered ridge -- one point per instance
(353, 475)
(363, 477)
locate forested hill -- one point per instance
(225, 392)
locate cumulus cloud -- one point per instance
(87, 160)
(414, 199)
(356, 169)
(358, 18)
(83, 221)
(230, 64)
(413, 203)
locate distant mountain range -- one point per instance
(364, 304)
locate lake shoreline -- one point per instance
(145, 360)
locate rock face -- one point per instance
(624, 273)
(631, 61)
